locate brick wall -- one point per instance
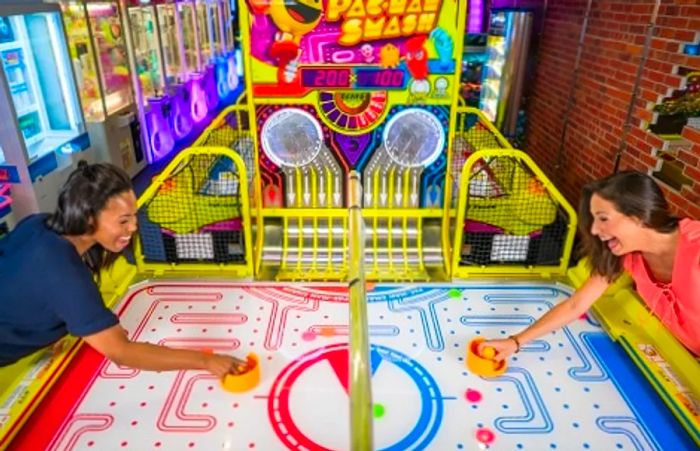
(612, 52)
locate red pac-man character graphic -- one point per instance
(417, 57)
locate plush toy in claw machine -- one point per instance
(293, 19)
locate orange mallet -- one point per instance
(483, 364)
(247, 379)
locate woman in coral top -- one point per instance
(626, 226)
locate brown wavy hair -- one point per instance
(633, 194)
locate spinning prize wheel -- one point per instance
(353, 112)
(414, 138)
(291, 137)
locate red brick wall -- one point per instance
(612, 52)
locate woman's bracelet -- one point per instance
(517, 342)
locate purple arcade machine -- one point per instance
(176, 76)
(148, 75)
(209, 36)
(191, 58)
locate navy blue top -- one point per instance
(46, 291)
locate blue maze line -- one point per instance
(536, 346)
(497, 299)
(630, 428)
(383, 331)
(511, 320)
(527, 292)
(383, 293)
(535, 409)
(502, 291)
(648, 408)
(429, 320)
(586, 373)
(431, 415)
(497, 320)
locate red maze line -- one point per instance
(175, 403)
(64, 397)
(68, 391)
(91, 423)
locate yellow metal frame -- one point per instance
(301, 214)
(360, 383)
(239, 110)
(458, 126)
(244, 269)
(397, 218)
(299, 271)
(463, 271)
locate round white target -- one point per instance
(291, 137)
(414, 137)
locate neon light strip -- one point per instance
(476, 16)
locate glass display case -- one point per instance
(108, 35)
(208, 31)
(503, 77)
(38, 74)
(146, 50)
(177, 73)
(188, 19)
(216, 33)
(173, 56)
(227, 71)
(97, 48)
(99, 57)
(229, 20)
(148, 46)
(42, 130)
(82, 54)
(193, 60)
(205, 32)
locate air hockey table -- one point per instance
(572, 389)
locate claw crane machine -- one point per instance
(227, 66)
(222, 55)
(148, 77)
(192, 59)
(210, 41)
(42, 130)
(98, 52)
(176, 71)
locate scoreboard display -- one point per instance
(328, 78)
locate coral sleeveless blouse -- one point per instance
(677, 303)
